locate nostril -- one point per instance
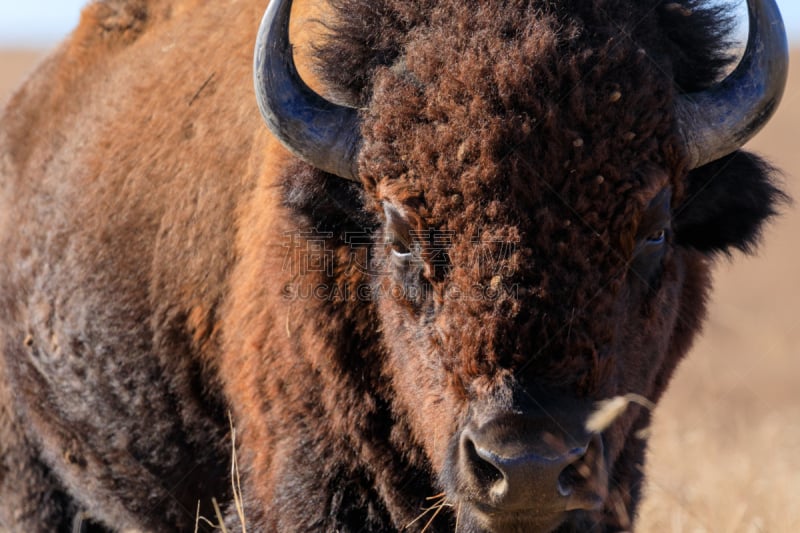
(574, 474)
(481, 466)
(585, 480)
(569, 478)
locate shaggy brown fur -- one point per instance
(156, 244)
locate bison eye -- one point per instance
(657, 237)
(652, 238)
(397, 232)
(400, 254)
(400, 248)
(647, 261)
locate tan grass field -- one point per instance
(726, 440)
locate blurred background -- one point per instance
(725, 454)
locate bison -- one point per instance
(464, 226)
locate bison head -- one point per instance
(547, 201)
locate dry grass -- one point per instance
(437, 503)
(236, 488)
(725, 454)
(740, 478)
(609, 410)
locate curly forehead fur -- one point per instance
(533, 122)
(520, 99)
(554, 82)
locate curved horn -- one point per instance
(719, 120)
(316, 130)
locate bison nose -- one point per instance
(539, 473)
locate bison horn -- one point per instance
(718, 121)
(318, 131)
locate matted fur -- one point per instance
(148, 282)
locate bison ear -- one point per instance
(727, 203)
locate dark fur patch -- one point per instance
(727, 203)
(325, 202)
